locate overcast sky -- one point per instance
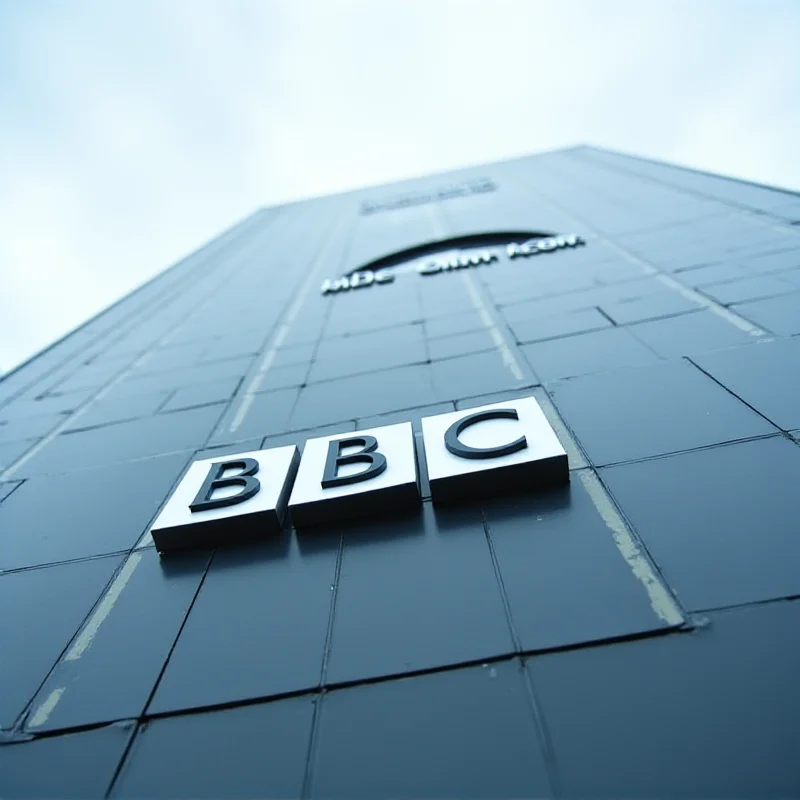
(132, 132)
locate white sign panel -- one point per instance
(490, 449)
(228, 498)
(352, 474)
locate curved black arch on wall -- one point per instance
(435, 246)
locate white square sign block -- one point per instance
(235, 498)
(492, 449)
(354, 474)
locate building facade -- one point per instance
(630, 631)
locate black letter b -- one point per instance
(376, 461)
(214, 481)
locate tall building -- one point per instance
(584, 589)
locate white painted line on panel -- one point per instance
(661, 601)
(46, 708)
(145, 541)
(714, 308)
(258, 378)
(440, 228)
(90, 629)
(690, 294)
(574, 453)
(87, 634)
(649, 269)
(269, 355)
(497, 336)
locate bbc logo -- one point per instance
(472, 453)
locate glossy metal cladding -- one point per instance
(463, 259)
(556, 642)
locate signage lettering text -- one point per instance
(470, 453)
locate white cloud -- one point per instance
(132, 133)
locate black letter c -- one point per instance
(457, 448)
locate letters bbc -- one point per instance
(469, 453)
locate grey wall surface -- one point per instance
(633, 634)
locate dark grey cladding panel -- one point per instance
(412, 415)
(720, 523)
(17, 430)
(788, 257)
(415, 592)
(11, 452)
(525, 306)
(531, 327)
(304, 332)
(766, 377)
(251, 416)
(105, 412)
(708, 274)
(114, 677)
(654, 306)
(750, 288)
(167, 359)
(714, 241)
(280, 378)
(364, 310)
(690, 333)
(711, 713)
(125, 441)
(77, 765)
(43, 609)
(367, 353)
(479, 373)
(48, 404)
(285, 356)
(446, 294)
(84, 513)
(202, 394)
(463, 344)
(454, 324)
(362, 396)
(568, 576)
(587, 353)
(235, 345)
(182, 377)
(464, 733)
(725, 189)
(780, 315)
(91, 376)
(253, 751)
(299, 438)
(258, 627)
(513, 206)
(628, 414)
